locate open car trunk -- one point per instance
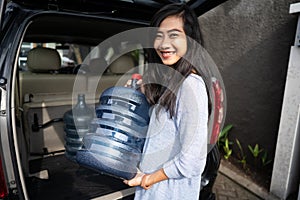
(45, 96)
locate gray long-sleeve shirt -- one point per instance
(178, 145)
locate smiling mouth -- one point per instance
(167, 54)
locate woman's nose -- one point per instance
(165, 43)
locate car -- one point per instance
(48, 50)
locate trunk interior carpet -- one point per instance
(68, 181)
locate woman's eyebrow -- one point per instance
(174, 30)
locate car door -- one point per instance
(11, 180)
(6, 174)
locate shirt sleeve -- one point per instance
(191, 122)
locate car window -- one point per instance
(74, 56)
(71, 54)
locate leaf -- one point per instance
(243, 161)
(227, 155)
(255, 151)
(251, 149)
(225, 131)
(223, 135)
(238, 143)
(264, 159)
(268, 162)
(227, 143)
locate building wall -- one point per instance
(250, 42)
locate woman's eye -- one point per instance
(158, 36)
(173, 35)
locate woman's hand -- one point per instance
(136, 181)
(141, 179)
(128, 83)
(139, 83)
(149, 179)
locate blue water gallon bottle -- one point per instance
(115, 142)
(76, 126)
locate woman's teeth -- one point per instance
(168, 53)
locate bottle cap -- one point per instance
(136, 76)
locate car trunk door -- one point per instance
(2, 9)
(137, 10)
(2, 6)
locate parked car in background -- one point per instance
(45, 48)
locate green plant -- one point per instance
(223, 141)
(264, 159)
(224, 135)
(227, 149)
(255, 151)
(241, 154)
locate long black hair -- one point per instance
(165, 94)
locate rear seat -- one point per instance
(41, 78)
(118, 72)
(46, 95)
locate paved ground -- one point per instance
(231, 184)
(227, 189)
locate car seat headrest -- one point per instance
(96, 64)
(122, 65)
(42, 59)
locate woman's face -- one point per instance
(170, 42)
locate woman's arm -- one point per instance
(192, 118)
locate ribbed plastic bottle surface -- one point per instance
(115, 141)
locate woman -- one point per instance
(175, 149)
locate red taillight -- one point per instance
(218, 114)
(3, 187)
